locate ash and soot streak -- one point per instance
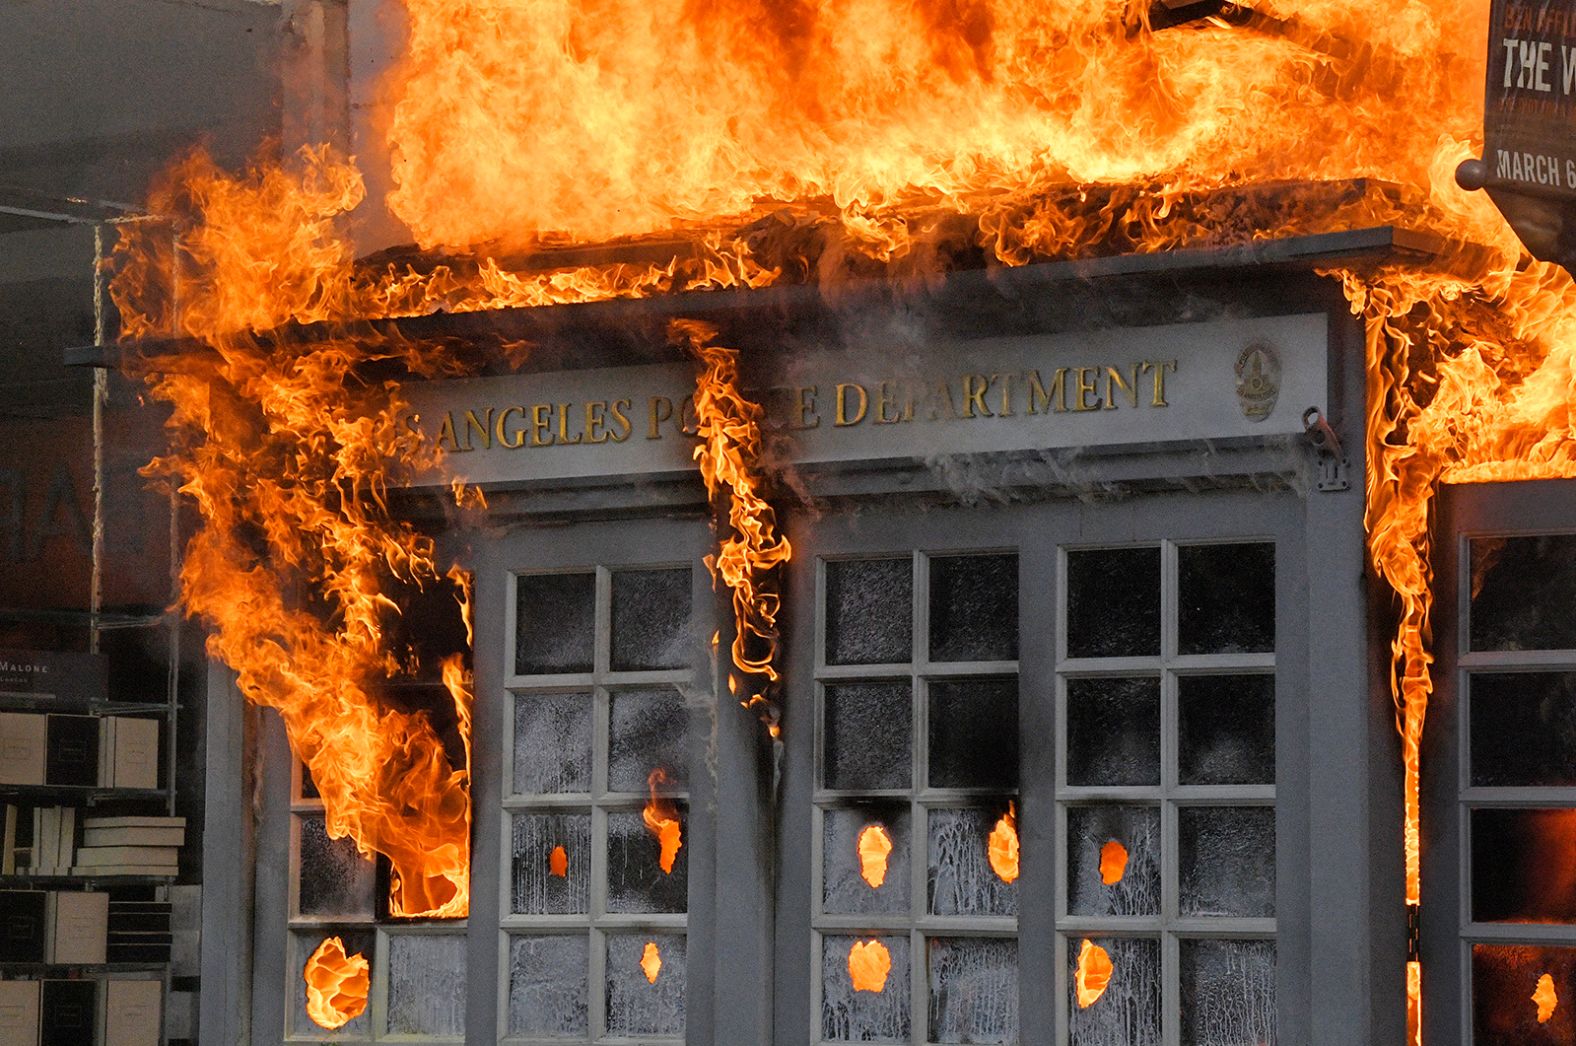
(806, 142)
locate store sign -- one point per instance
(1136, 385)
(1531, 97)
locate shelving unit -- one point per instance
(101, 800)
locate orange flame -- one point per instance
(1113, 862)
(651, 962)
(1093, 974)
(874, 848)
(729, 456)
(1002, 846)
(336, 985)
(805, 142)
(1545, 998)
(869, 963)
(558, 862)
(662, 820)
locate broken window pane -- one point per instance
(645, 984)
(869, 729)
(426, 984)
(1113, 860)
(1113, 732)
(555, 623)
(961, 879)
(647, 730)
(1521, 866)
(1127, 1012)
(1226, 598)
(1505, 978)
(973, 989)
(1228, 993)
(1113, 602)
(869, 611)
(651, 612)
(547, 986)
(551, 864)
(863, 1015)
(335, 881)
(1227, 859)
(1226, 730)
(303, 944)
(1523, 589)
(974, 608)
(552, 743)
(847, 870)
(636, 882)
(1523, 728)
(974, 734)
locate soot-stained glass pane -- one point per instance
(1113, 860)
(427, 984)
(1113, 602)
(974, 608)
(1523, 728)
(868, 736)
(550, 864)
(974, 734)
(547, 986)
(651, 612)
(973, 989)
(1127, 1012)
(1113, 732)
(1227, 860)
(645, 984)
(647, 730)
(1228, 993)
(552, 743)
(866, 858)
(336, 881)
(1521, 866)
(1512, 1004)
(869, 611)
(555, 623)
(961, 876)
(636, 880)
(303, 944)
(1226, 599)
(1524, 590)
(877, 1009)
(1226, 727)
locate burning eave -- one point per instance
(633, 329)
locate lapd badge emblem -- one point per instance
(1258, 380)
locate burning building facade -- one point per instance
(920, 524)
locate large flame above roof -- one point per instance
(521, 119)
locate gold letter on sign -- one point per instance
(843, 418)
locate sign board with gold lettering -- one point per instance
(1221, 379)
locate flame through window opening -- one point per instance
(1000, 117)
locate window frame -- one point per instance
(1169, 927)
(917, 924)
(1468, 512)
(600, 684)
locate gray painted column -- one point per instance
(488, 730)
(228, 854)
(1357, 942)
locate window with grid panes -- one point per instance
(1166, 793)
(416, 970)
(1517, 801)
(915, 925)
(600, 678)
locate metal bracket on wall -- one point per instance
(1331, 456)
